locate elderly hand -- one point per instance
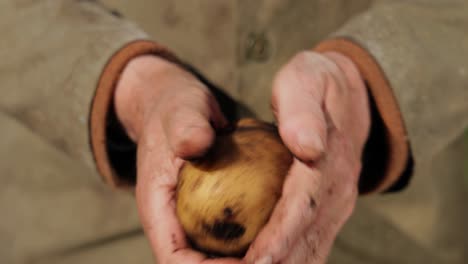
(171, 116)
(321, 105)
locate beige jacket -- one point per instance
(60, 60)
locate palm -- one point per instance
(323, 118)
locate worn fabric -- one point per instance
(53, 54)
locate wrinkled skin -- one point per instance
(320, 103)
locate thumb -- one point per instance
(190, 129)
(298, 99)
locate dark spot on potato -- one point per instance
(330, 191)
(224, 230)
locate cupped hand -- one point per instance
(172, 116)
(321, 106)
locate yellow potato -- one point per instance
(226, 197)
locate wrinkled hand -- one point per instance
(171, 116)
(320, 103)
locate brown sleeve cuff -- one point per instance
(398, 153)
(102, 105)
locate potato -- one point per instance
(227, 196)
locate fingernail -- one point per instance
(265, 260)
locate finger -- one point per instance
(155, 198)
(292, 215)
(298, 97)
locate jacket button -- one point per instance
(257, 47)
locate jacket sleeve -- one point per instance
(52, 55)
(414, 58)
